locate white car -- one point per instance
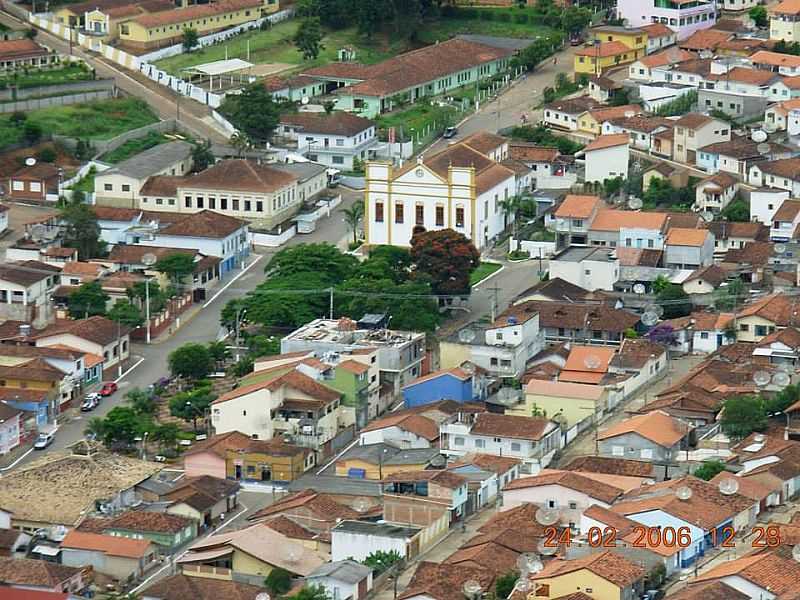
(43, 441)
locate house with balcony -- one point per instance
(715, 193)
(573, 218)
(25, 289)
(500, 348)
(694, 131)
(335, 140)
(684, 18)
(426, 498)
(784, 22)
(533, 440)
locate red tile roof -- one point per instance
(608, 141)
(614, 568)
(656, 426)
(569, 479)
(107, 544)
(510, 426)
(205, 224)
(192, 13)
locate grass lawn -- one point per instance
(275, 46)
(47, 77)
(418, 116)
(86, 184)
(133, 147)
(99, 120)
(443, 29)
(483, 271)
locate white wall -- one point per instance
(562, 497)
(764, 204)
(589, 274)
(607, 163)
(394, 435)
(358, 546)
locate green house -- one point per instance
(168, 532)
(351, 378)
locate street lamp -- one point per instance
(240, 314)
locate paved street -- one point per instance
(151, 361)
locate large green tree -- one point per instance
(742, 415)
(447, 258)
(674, 301)
(308, 38)
(709, 469)
(88, 300)
(81, 230)
(126, 313)
(191, 405)
(122, 425)
(324, 258)
(254, 111)
(191, 361)
(176, 266)
(190, 39)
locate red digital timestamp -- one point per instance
(670, 537)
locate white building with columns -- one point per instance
(460, 188)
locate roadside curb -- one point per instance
(488, 277)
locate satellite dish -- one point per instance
(30, 161)
(707, 216)
(592, 362)
(639, 288)
(466, 336)
(781, 379)
(779, 248)
(263, 596)
(547, 516)
(528, 562)
(649, 318)
(759, 437)
(796, 552)
(361, 505)
(764, 148)
(523, 585)
(546, 549)
(750, 24)
(149, 259)
(683, 493)
(305, 100)
(759, 136)
(38, 232)
(728, 486)
(785, 367)
(761, 378)
(770, 127)
(472, 587)
(635, 203)
(654, 308)
(706, 54)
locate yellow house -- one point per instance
(376, 461)
(35, 374)
(101, 19)
(635, 39)
(254, 551)
(574, 402)
(784, 22)
(592, 120)
(166, 28)
(757, 320)
(263, 460)
(598, 58)
(601, 576)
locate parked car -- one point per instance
(450, 132)
(109, 387)
(89, 403)
(43, 441)
(94, 396)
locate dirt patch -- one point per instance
(267, 69)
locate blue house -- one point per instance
(42, 406)
(449, 384)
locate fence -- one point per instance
(73, 87)
(273, 240)
(165, 319)
(226, 125)
(535, 249)
(65, 100)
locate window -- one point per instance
(259, 206)
(577, 222)
(493, 362)
(573, 505)
(744, 327)
(200, 202)
(646, 453)
(459, 216)
(108, 187)
(126, 187)
(440, 216)
(458, 441)
(379, 212)
(480, 443)
(337, 160)
(516, 447)
(618, 450)
(398, 213)
(419, 214)
(247, 206)
(552, 503)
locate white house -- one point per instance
(694, 131)
(404, 430)
(3, 218)
(753, 576)
(25, 289)
(10, 428)
(777, 62)
(643, 69)
(776, 116)
(640, 129)
(765, 202)
(343, 579)
(568, 493)
(659, 36)
(591, 268)
(458, 188)
(715, 193)
(607, 157)
(359, 539)
(785, 221)
(683, 18)
(689, 248)
(335, 139)
(783, 174)
(533, 440)
(563, 114)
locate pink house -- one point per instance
(208, 457)
(9, 428)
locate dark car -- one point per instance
(450, 132)
(109, 387)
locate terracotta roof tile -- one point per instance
(162, 186)
(612, 466)
(604, 50)
(612, 567)
(510, 426)
(496, 464)
(573, 106)
(693, 120)
(787, 7)
(743, 75)
(416, 424)
(17, 49)
(197, 11)
(27, 272)
(569, 479)
(240, 175)
(670, 56)
(337, 123)
(752, 253)
(776, 308)
(705, 39)
(107, 544)
(580, 207)
(532, 153)
(323, 506)
(775, 571)
(657, 30)
(446, 479)
(656, 426)
(711, 591)
(608, 141)
(484, 141)
(607, 113)
(614, 220)
(443, 582)
(184, 587)
(146, 521)
(579, 316)
(784, 167)
(37, 573)
(290, 528)
(100, 330)
(678, 236)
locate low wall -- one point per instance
(65, 100)
(163, 320)
(103, 146)
(535, 249)
(73, 87)
(273, 240)
(226, 125)
(353, 182)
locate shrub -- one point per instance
(47, 155)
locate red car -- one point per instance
(109, 387)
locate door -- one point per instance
(238, 472)
(266, 473)
(719, 340)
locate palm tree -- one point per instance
(240, 142)
(353, 217)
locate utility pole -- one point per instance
(494, 301)
(147, 305)
(119, 348)
(330, 290)
(239, 315)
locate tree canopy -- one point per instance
(191, 405)
(742, 415)
(308, 38)
(120, 426)
(447, 257)
(191, 361)
(177, 266)
(88, 300)
(709, 469)
(254, 111)
(126, 313)
(81, 231)
(380, 560)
